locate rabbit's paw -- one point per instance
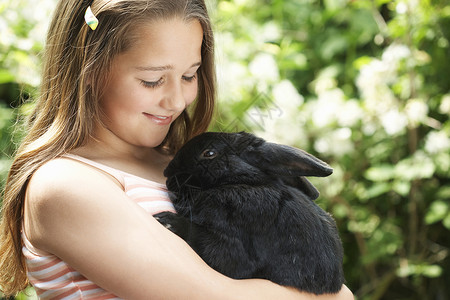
(175, 223)
(167, 219)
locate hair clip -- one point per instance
(90, 19)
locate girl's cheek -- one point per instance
(192, 96)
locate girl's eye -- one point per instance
(152, 84)
(190, 78)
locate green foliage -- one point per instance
(361, 84)
(21, 40)
(6, 124)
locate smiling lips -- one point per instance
(160, 120)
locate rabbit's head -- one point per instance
(214, 159)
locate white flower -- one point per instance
(393, 121)
(24, 44)
(374, 74)
(437, 141)
(325, 80)
(264, 67)
(395, 53)
(7, 37)
(284, 131)
(376, 77)
(280, 121)
(403, 7)
(373, 83)
(336, 143)
(416, 111)
(232, 77)
(444, 108)
(369, 127)
(349, 114)
(325, 110)
(286, 95)
(270, 32)
(323, 84)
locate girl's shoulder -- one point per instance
(63, 174)
(63, 189)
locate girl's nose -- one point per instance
(174, 99)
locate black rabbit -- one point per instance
(244, 206)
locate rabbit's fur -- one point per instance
(244, 206)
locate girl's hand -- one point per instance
(265, 290)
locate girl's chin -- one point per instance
(157, 139)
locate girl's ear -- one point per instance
(286, 161)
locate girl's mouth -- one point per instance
(160, 120)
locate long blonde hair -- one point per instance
(67, 109)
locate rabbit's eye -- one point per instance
(208, 153)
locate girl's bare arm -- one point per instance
(83, 216)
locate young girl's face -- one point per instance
(152, 82)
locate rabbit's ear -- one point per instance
(286, 161)
(302, 184)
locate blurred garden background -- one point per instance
(362, 84)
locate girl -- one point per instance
(125, 84)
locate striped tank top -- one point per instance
(52, 278)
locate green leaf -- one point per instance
(432, 271)
(340, 211)
(378, 189)
(333, 45)
(6, 76)
(334, 5)
(401, 187)
(444, 192)
(442, 163)
(446, 221)
(405, 271)
(381, 2)
(438, 211)
(417, 167)
(362, 61)
(380, 173)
